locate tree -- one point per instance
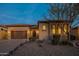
(63, 11)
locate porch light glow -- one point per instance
(53, 30)
(65, 28)
(37, 32)
(8, 32)
(59, 30)
(44, 27)
(28, 31)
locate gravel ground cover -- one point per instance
(34, 49)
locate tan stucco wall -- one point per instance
(43, 34)
(78, 33)
(3, 35)
(75, 32)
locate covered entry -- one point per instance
(18, 34)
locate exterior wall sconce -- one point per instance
(59, 30)
(37, 32)
(44, 27)
(28, 31)
(54, 30)
(65, 28)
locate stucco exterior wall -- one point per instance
(3, 35)
(75, 32)
(43, 34)
(78, 33)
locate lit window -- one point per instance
(53, 30)
(65, 28)
(44, 27)
(59, 30)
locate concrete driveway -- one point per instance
(8, 45)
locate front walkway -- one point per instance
(34, 49)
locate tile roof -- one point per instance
(16, 25)
(47, 21)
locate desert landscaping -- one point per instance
(24, 48)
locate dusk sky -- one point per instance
(22, 13)
(28, 13)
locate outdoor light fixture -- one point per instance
(28, 31)
(53, 30)
(44, 27)
(59, 30)
(65, 28)
(37, 32)
(8, 32)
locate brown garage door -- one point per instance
(18, 34)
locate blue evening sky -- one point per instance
(22, 13)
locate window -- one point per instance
(53, 30)
(44, 27)
(59, 30)
(65, 28)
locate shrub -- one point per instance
(55, 39)
(72, 37)
(40, 41)
(65, 43)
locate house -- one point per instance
(54, 29)
(43, 30)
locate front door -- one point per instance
(34, 35)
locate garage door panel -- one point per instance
(19, 34)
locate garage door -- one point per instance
(18, 34)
